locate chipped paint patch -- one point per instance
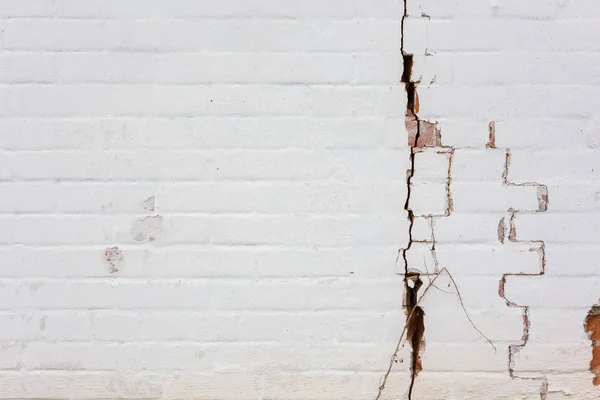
(149, 204)
(114, 260)
(148, 229)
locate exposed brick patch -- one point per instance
(491, 144)
(429, 135)
(542, 195)
(592, 327)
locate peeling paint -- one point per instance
(149, 204)
(512, 234)
(148, 229)
(501, 231)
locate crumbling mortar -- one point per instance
(542, 190)
(513, 349)
(426, 135)
(415, 316)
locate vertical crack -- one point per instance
(415, 326)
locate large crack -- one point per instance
(415, 326)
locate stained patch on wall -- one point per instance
(114, 260)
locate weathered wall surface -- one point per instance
(210, 199)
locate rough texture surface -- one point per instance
(210, 199)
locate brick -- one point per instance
(225, 261)
(27, 68)
(182, 9)
(201, 199)
(26, 8)
(327, 293)
(211, 35)
(186, 101)
(187, 133)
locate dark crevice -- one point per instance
(415, 326)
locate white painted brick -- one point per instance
(421, 230)
(336, 9)
(433, 165)
(555, 166)
(319, 68)
(428, 199)
(428, 70)
(191, 133)
(199, 357)
(502, 325)
(226, 261)
(95, 100)
(26, 8)
(465, 132)
(443, 358)
(493, 197)
(356, 231)
(331, 293)
(492, 260)
(300, 197)
(475, 384)
(538, 357)
(28, 197)
(56, 230)
(552, 133)
(260, 230)
(27, 68)
(103, 384)
(68, 325)
(5, 165)
(468, 228)
(547, 293)
(558, 228)
(205, 68)
(490, 165)
(209, 35)
(21, 326)
(582, 260)
(439, 100)
(12, 356)
(474, 291)
(511, 35)
(202, 199)
(524, 68)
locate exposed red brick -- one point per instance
(542, 195)
(428, 133)
(491, 144)
(416, 105)
(595, 364)
(592, 327)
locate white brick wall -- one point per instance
(205, 199)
